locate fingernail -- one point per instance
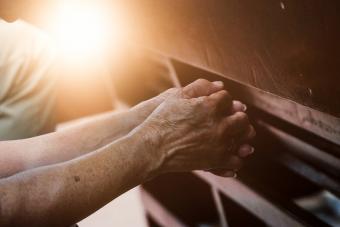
(244, 108)
(252, 150)
(218, 83)
(246, 150)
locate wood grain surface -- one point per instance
(289, 48)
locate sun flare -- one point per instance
(83, 31)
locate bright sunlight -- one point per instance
(84, 30)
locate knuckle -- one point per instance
(198, 102)
(205, 102)
(184, 93)
(190, 91)
(202, 81)
(170, 91)
(204, 99)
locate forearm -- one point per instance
(66, 144)
(87, 136)
(63, 194)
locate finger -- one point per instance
(249, 134)
(238, 106)
(245, 150)
(202, 87)
(223, 173)
(222, 100)
(234, 163)
(235, 124)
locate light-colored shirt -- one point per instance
(26, 81)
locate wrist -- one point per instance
(150, 149)
(136, 117)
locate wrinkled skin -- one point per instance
(183, 129)
(200, 127)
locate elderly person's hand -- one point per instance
(199, 127)
(196, 127)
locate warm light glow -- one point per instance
(84, 30)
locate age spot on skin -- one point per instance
(76, 178)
